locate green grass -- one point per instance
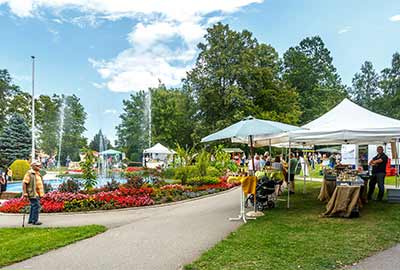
(17, 244)
(299, 238)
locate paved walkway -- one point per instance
(385, 260)
(148, 238)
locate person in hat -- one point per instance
(32, 187)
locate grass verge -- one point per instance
(299, 239)
(18, 244)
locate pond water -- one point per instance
(17, 186)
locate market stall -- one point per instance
(347, 123)
(157, 156)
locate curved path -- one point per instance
(148, 238)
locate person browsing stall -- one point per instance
(378, 164)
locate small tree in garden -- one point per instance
(88, 172)
(202, 162)
(185, 156)
(222, 158)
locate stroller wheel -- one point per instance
(260, 207)
(271, 204)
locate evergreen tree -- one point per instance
(15, 141)
(95, 143)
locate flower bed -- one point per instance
(122, 197)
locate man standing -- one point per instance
(293, 166)
(378, 164)
(32, 186)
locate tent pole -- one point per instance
(305, 158)
(288, 175)
(270, 153)
(254, 169)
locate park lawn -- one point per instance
(299, 238)
(18, 244)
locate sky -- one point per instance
(104, 50)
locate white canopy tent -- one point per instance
(347, 123)
(158, 149)
(158, 155)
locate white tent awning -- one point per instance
(159, 149)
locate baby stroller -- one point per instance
(265, 194)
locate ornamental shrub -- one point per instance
(213, 172)
(69, 185)
(19, 168)
(200, 181)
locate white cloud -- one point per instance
(344, 30)
(110, 111)
(162, 43)
(395, 18)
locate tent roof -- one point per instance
(232, 150)
(348, 123)
(110, 152)
(249, 126)
(158, 149)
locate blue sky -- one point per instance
(103, 50)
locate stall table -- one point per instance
(344, 200)
(327, 188)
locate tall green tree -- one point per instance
(365, 86)
(132, 133)
(389, 103)
(7, 89)
(309, 68)
(95, 143)
(15, 141)
(74, 127)
(234, 77)
(48, 123)
(172, 116)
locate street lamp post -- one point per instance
(33, 108)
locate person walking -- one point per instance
(378, 164)
(292, 172)
(32, 186)
(9, 174)
(3, 182)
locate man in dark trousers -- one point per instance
(378, 164)
(32, 187)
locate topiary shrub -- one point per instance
(19, 168)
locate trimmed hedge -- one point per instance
(19, 168)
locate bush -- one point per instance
(168, 173)
(19, 168)
(200, 181)
(214, 172)
(111, 186)
(47, 187)
(69, 185)
(192, 171)
(135, 182)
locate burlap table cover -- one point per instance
(343, 200)
(327, 189)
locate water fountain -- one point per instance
(147, 113)
(102, 163)
(61, 132)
